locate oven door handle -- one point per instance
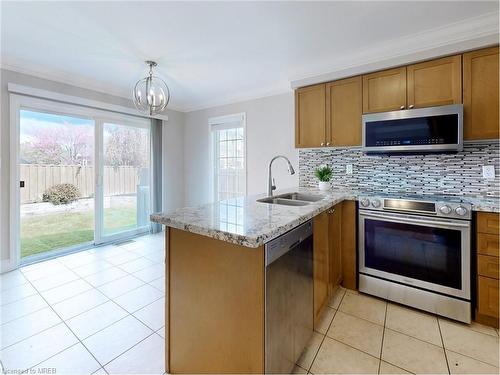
(451, 224)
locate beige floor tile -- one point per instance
(324, 320)
(483, 329)
(335, 300)
(298, 370)
(337, 358)
(413, 323)
(387, 368)
(364, 307)
(460, 364)
(310, 351)
(460, 338)
(412, 354)
(357, 332)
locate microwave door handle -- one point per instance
(417, 221)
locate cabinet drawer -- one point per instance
(487, 223)
(488, 296)
(487, 266)
(487, 244)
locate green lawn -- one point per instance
(43, 233)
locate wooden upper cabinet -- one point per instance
(310, 130)
(480, 75)
(343, 112)
(384, 91)
(435, 82)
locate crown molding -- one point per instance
(59, 76)
(468, 34)
(235, 99)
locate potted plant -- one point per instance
(324, 175)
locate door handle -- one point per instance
(21, 184)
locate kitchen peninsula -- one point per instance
(215, 259)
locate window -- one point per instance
(228, 150)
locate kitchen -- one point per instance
(401, 229)
(249, 187)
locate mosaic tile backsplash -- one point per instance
(449, 174)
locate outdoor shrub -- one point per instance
(61, 194)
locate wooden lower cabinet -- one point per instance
(334, 253)
(320, 263)
(335, 247)
(487, 300)
(487, 243)
(215, 315)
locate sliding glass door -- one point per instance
(56, 170)
(83, 178)
(124, 181)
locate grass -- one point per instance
(43, 233)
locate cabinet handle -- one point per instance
(411, 106)
(322, 143)
(328, 143)
(402, 107)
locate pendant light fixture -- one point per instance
(151, 94)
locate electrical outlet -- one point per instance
(348, 169)
(489, 172)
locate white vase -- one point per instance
(324, 185)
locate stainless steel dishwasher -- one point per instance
(289, 298)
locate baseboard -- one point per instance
(486, 320)
(6, 265)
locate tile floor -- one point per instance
(359, 334)
(97, 311)
(102, 311)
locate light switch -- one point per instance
(348, 169)
(489, 172)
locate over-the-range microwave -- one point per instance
(432, 129)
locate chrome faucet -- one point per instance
(270, 183)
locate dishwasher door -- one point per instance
(289, 298)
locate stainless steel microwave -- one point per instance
(432, 129)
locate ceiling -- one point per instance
(209, 52)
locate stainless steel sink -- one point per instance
(301, 197)
(292, 199)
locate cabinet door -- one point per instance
(335, 247)
(480, 74)
(349, 248)
(488, 296)
(384, 91)
(320, 263)
(310, 116)
(436, 82)
(343, 112)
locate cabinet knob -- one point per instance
(328, 143)
(402, 107)
(411, 106)
(322, 143)
(331, 211)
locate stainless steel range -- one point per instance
(417, 253)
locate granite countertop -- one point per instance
(246, 222)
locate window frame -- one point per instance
(220, 123)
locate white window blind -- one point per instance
(228, 150)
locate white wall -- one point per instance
(173, 196)
(270, 131)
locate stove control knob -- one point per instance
(460, 211)
(445, 209)
(376, 203)
(365, 202)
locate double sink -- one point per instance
(292, 199)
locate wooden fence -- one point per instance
(39, 177)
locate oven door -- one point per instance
(424, 252)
